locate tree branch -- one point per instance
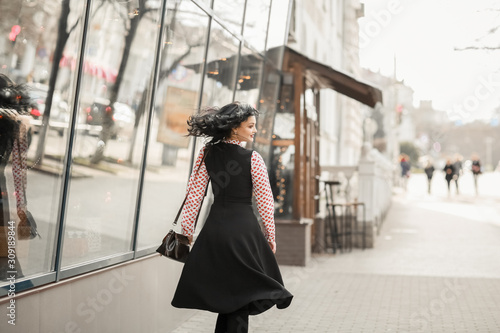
(490, 32)
(489, 48)
(166, 72)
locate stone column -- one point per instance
(366, 180)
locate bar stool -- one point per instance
(332, 235)
(349, 224)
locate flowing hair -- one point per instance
(217, 123)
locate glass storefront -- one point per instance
(101, 205)
(249, 77)
(177, 96)
(221, 67)
(231, 12)
(256, 19)
(100, 158)
(40, 43)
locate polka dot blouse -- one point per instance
(261, 189)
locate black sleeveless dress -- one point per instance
(231, 265)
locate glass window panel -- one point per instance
(220, 72)
(256, 18)
(283, 155)
(231, 13)
(277, 29)
(206, 2)
(177, 96)
(118, 63)
(249, 77)
(43, 41)
(267, 107)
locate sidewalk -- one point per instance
(435, 268)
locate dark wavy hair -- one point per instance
(14, 100)
(14, 96)
(217, 123)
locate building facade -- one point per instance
(328, 32)
(107, 159)
(321, 116)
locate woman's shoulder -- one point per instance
(234, 146)
(243, 151)
(229, 147)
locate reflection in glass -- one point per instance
(206, 2)
(256, 18)
(40, 38)
(104, 178)
(231, 12)
(249, 77)
(277, 29)
(267, 106)
(283, 155)
(220, 72)
(177, 96)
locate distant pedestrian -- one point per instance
(457, 170)
(404, 162)
(231, 269)
(476, 170)
(449, 171)
(429, 171)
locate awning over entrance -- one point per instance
(327, 77)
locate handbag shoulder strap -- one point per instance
(187, 194)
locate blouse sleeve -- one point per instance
(263, 195)
(196, 188)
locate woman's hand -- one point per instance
(190, 239)
(273, 246)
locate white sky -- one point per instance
(422, 35)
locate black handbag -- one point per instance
(175, 245)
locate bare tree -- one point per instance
(479, 43)
(137, 14)
(62, 38)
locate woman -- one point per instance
(231, 269)
(405, 169)
(476, 170)
(449, 171)
(457, 166)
